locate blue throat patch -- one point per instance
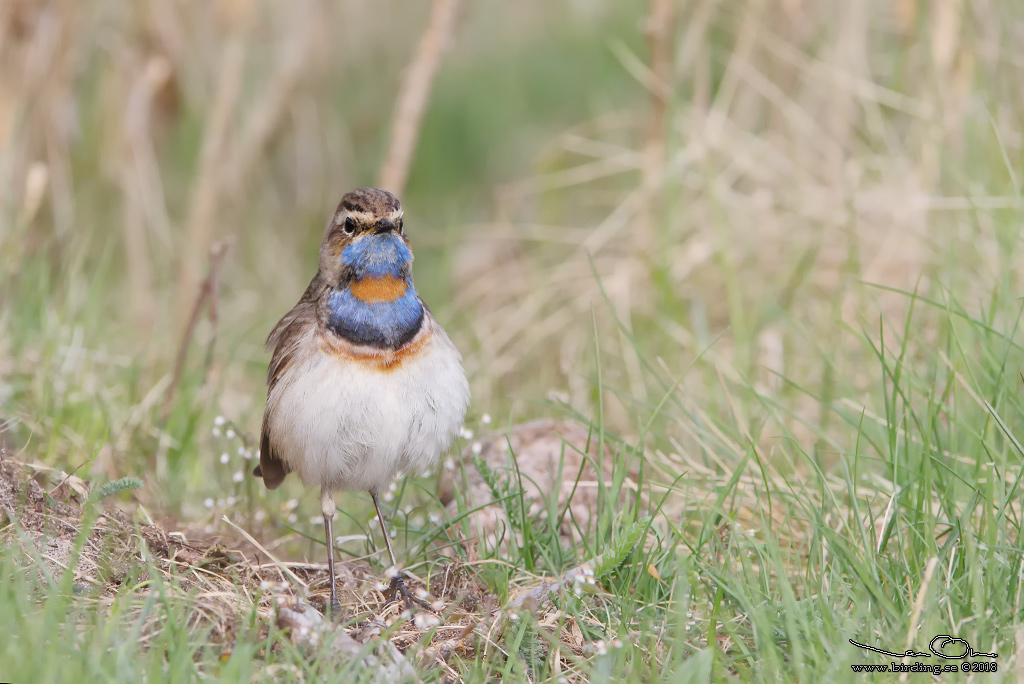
(379, 324)
(377, 256)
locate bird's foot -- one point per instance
(334, 609)
(398, 588)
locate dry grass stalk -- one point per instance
(278, 97)
(660, 33)
(141, 188)
(413, 96)
(208, 181)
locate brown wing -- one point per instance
(284, 340)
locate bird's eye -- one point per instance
(349, 227)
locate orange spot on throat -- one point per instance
(385, 289)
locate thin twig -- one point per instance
(412, 98)
(208, 292)
(67, 477)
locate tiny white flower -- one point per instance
(260, 515)
(449, 464)
(232, 500)
(466, 433)
(477, 448)
(292, 518)
(381, 586)
(388, 496)
(216, 432)
(238, 476)
(393, 487)
(426, 620)
(221, 503)
(218, 421)
(247, 455)
(292, 504)
(486, 419)
(224, 458)
(392, 572)
(422, 594)
(316, 520)
(230, 434)
(600, 646)
(241, 451)
(208, 503)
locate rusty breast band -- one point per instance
(383, 289)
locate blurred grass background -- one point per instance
(796, 151)
(135, 136)
(707, 249)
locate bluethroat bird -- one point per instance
(363, 383)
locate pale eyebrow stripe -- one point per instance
(366, 216)
(362, 216)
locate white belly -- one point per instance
(342, 425)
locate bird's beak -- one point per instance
(385, 226)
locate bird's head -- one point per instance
(365, 240)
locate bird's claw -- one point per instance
(397, 588)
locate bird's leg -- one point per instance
(397, 582)
(327, 508)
